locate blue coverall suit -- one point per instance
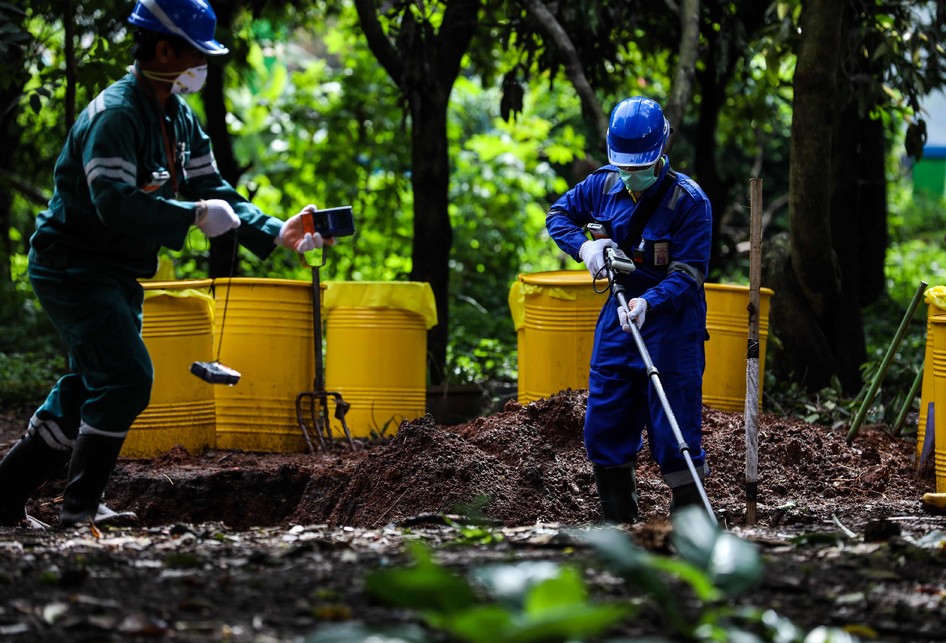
(113, 207)
(672, 261)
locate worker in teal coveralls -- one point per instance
(671, 254)
(136, 172)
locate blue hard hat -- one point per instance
(637, 132)
(191, 20)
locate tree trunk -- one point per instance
(846, 334)
(9, 140)
(871, 228)
(222, 261)
(704, 162)
(720, 59)
(10, 94)
(812, 318)
(424, 62)
(69, 51)
(682, 88)
(433, 235)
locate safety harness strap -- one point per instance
(645, 209)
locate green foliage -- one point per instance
(294, 125)
(26, 377)
(916, 254)
(537, 601)
(425, 586)
(14, 39)
(827, 407)
(315, 119)
(30, 352)
(503, 176)
(546, 601)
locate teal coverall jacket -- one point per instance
(126, 184)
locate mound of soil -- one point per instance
(522, 466)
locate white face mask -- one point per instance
(190, 81)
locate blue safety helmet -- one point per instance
(191, 20)
(637, 132)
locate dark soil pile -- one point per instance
(521, 466)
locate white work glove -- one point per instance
(592, 253)
(638, 307)
(215, 216)
(292, 234)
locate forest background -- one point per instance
(451, 126)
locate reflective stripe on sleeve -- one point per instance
(112, 168)
(97, 105)
(201, 165)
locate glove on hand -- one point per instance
(592, 253)
(638, 307)
(293, 236)
(215, 216)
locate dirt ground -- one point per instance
(269, 547)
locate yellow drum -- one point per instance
(268, 337)
(936, 299)
(939, 401)
(376, 352)
(727, 320)
(555, 314)
(178, 330)
(926, 389)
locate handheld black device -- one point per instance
(215, 373)
(331, 222)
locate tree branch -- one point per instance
(681, 89)
(378, 42)
(69, 51)
(453, 39)
(30, 191)
(573, 70)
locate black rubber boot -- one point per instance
(25, 468)
(685, 496)
(93, 460)
(617, 490)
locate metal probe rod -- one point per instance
(618, 291)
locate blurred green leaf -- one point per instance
(425, 586)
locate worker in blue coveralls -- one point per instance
(136, 172)
(671, 252)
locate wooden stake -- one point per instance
(752, 349)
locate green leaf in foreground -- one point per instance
(425, 586)
(731, 563)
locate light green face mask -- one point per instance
(639, 180)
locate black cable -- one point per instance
(226, 300)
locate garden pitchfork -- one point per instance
(312, 406)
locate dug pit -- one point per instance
(521, 466)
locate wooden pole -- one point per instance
(752, 350)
